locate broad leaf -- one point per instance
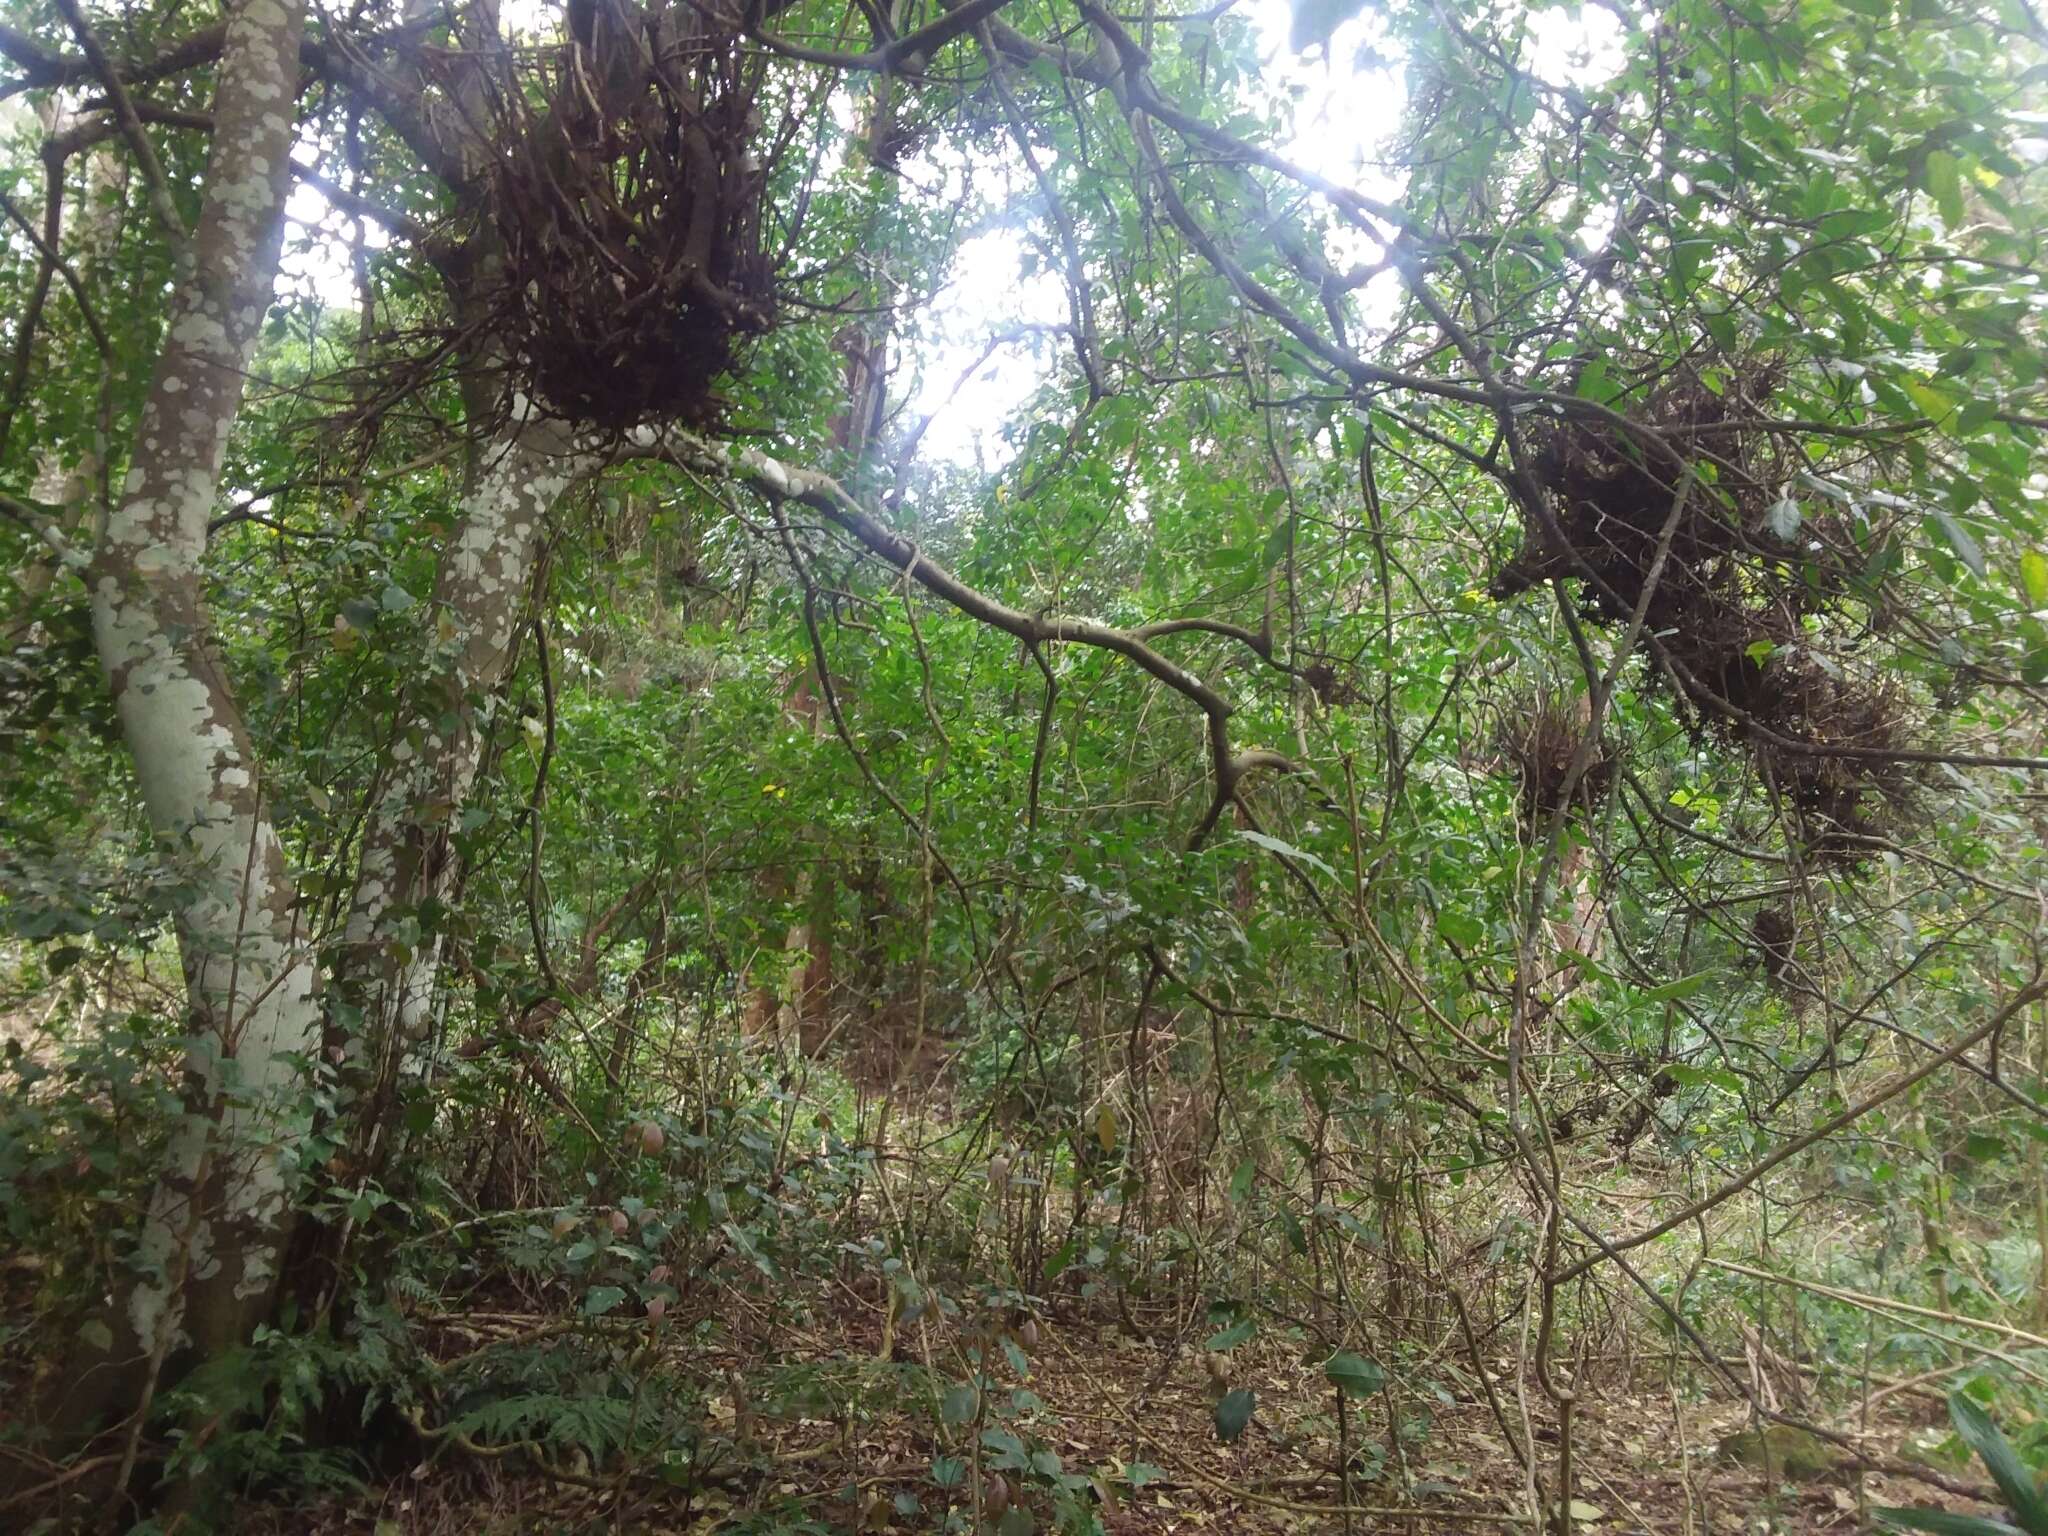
(1943, 1523)
(1234, 1412)
(1288, 851)
(1354, 1375)
(2001, 1461)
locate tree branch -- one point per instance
(899, 53)
(131, 125)
(779, 482)
(1884, 1093)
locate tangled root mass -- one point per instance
(1727, 616)
(1542, 738)
(628, 209)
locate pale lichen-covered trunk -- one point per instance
(391, 956)
(480, 593)
(208, 1260)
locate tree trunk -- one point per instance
(392, 942)
(391, 952)
(207, 1261)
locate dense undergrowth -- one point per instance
(696, 1294)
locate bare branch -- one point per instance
(131, 125)
(779, 482)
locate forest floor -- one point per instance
(1646, 1458)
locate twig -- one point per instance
(51, 254)
(70, 1474)
(131, 129)
(535, 888)
(1862, 1299)
(1882, 1094)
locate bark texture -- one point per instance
(208, 1258)
(392, 943)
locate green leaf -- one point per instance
(601, 1299)
(1241, 1180)
(1010, 1454)
(1354, 1375)
(1596, 385)
(1848, 223)
(1942, 176)
(1942, 1523)
(1315, 20)
(2034, 577)
(1287, 851)
(1461, 928)
(1937, 403)
(2001, 1461)
(1276, 546)
(949, 1471)
(1232, 1336)
(1967, 549)
(1702, 1077)
(1233, 1413)
(959, 1403)
(1672, 991)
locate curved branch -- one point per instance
(1260, 645)
(358, 206)
(1087, 346)
(43, 67)
(96, 128)
(779, 482)
(1227, 783)
(30, 323)
(905, 53)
